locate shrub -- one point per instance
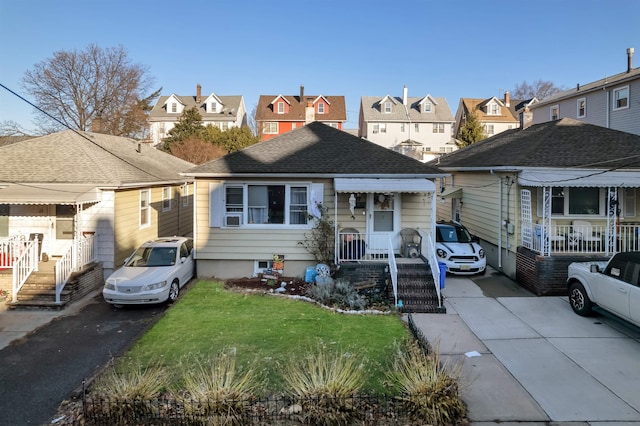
(127, 394)
(428, 389)
(320, 242)
(339, 293)
(217, 393)
(323, 385)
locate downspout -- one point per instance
(336, 236)
(195, 222)
(499, 219)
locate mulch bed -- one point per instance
(268, 284)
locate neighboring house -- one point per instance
(612, 102)
(279, 114)
(544, 196)
(71, 185)
(224, 112)
(419, 127)
(255, 203)
(495, 115)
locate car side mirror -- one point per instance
(475, 239)
(183, 259)
(595, 268)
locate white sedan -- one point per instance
(613, 286)
(154, 273)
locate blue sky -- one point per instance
(450, 49)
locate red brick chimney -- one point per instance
(198, 93)
(507, 99)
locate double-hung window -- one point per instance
(266, 204)
(320, 108)
(145, 208)
(166, 198)
(438, 127)
(280, 107)
(621, 98)
(270, 127)
(582, 108)
(554, 112)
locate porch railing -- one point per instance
(393, 271)
(580, 239)
(80, 253)
(428, 251)
(24, 262)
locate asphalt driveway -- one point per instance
(40, 370)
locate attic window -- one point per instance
(213, 107)
(174, 107)
(320, 108)
(280, 107)
(388, 108)
(427, 107)
(494, 109)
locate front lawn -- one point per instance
(267, 333)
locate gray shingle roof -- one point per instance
(316, 149)
(231, 107)
(371, 111)
(561, 143)
(88, 158)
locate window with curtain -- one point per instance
(284, 204)
(298, 205)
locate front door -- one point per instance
(383, 222)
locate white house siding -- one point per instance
(393, 135)
(231, 252)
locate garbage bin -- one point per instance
(40, 237)
(443, 273)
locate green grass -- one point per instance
(267, 334)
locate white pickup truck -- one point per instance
(613, 286)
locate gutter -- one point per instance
(492, 171)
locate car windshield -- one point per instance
(452, 234)
(152, 256)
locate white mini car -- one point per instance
(613, 286)
(459, 250)
(154, 273)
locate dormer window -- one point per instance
(388, 107)
(427, 107)
(280, 107)
(320, 108)
(174, 107)
(554, 112)
(213, 107)
(494, 109)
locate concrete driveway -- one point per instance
(531, 359)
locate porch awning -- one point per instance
(49, 194)
(383, 185)
(580, 178)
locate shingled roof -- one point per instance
(316, 149)
(564, 143)
(71, 157)
(372, 112)
(297, 107)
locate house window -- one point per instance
(334, 125)
(629, 202)
(427, 107)
(166, 198)
(280, 107)
(574, 201)
(402, 128)
(438, 127)
(224, 126)
(145, 208)
(554, 112)
(582, 108)
(214, 107)
(320, 108)
(380, 128)
(174, 107)
(494, 109)
(388, 108)
(185, 195)
(270, 127)
(621, 98)
(416, 128)
(268, 204)
(488, 129)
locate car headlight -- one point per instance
(109, 285)
(155, 286)
(441, 253)
(481, 253)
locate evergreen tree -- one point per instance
(470, 132)
(188, 126)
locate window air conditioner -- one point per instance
(233, 220)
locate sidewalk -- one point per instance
(530, 360)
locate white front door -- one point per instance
(383, 222)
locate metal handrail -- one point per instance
(393, 271)
(428, 251)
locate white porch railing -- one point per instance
(580, 239)
(80, 253)
(21, 256)
(393, 271)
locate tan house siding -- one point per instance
(227, 252)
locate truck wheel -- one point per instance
(579, 300)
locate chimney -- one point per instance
(630, 59)
(198, 93)
(301, 93)
(404, 95)
(309, 113)
(507, 99)
(526, 118)
(96, 124)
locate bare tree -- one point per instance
(196, 150)
(11, 128)
(538, 89)
(74, 88)
(251, 120)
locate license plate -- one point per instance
(464, 267)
